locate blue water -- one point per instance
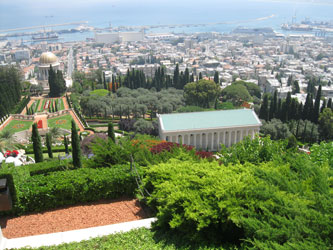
(99, 13)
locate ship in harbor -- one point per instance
(245, 30)
(45, 37)
(296, 27)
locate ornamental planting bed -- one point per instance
(16, 126)
(63, 121)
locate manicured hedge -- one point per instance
(57, 189)
(12, 190)
(54, 150)
(48, 167)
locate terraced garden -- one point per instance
(17, 126)
(63, 121)
(52, 103)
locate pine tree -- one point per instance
(49, 145)
(76, 150)
(37, 144)
(111, 134)
(66, 145)
(263, 114)
(317, 106)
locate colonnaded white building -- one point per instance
(208, 130)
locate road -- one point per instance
(70, 65)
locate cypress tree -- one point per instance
(323, 106)
(279, 108)
(76, 150)
(216, 77)
(192, 78)
(263, 114)
(329, 103)
(111, 134)
(317, 106)
(293, 113)
(275, 104)
(37, 144)
(49, 145)
(300, 111)
(176, 80)
(200, 76)
(288, 106)
(104, 82)
(66, 145)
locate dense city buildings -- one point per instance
(268, 60)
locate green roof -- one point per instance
(209, 119)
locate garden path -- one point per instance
(86, 215)
(24, 111)
(65, 103)
(6, 123)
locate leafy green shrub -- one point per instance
(263, 206)
(107, 153)
(253, 150)
(322, 153)
(57, 189)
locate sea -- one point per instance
(218, 15)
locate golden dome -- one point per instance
(48, 58)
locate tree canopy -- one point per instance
(202, 93)
(10, 89)
(236, 93)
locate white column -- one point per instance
(229, 139)
(218, 140)
(212, 143)
(224, 140)
(194, 140)
(206, 139)
(235, 139)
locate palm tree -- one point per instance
(7, 140)
(55, 133)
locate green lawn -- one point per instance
(46, 155)
(17, 126)
(63, 121)
(99, 92)
(143, 239)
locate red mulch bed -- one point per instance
(74, 217)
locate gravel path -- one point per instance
(71, 218)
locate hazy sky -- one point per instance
(22, 13)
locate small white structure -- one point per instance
(208, 130)
(119, 37)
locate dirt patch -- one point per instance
(75, 217)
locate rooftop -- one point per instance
(209, 119)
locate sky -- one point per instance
(23, 13)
